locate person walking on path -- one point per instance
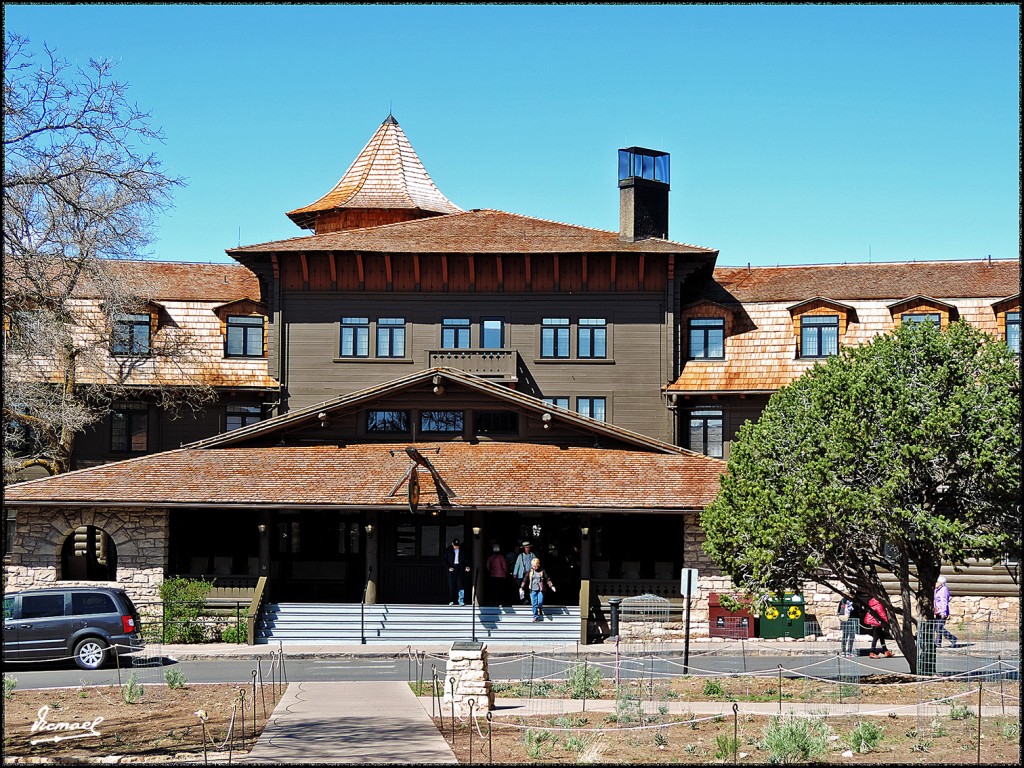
(497, 576)
(522, 564)
(876, 618)
(534, 582)
(940, 608)
(848, 622)
(457, 563)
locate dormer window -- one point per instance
(819, 335)
(923, 309)
(244, 336)
(707, 338)
(1013, 331)
(131, 334)
(922, 317)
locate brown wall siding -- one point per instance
(631, 379)
(735, 412)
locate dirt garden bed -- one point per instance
(614, 732)
(162, 725)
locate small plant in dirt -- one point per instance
(937, 731)
(175, 679)
(960, 712)
(569, 721)
(1010, 731)
(725, 746)
(713, 689)
(924, 745)
(791, 739)
(10, 683)
(538, 743)
(865, 737)
(660, 740)
(593, 752)
(627, 710)
(236, 634)
(132, 691)
(577, 744)
(583, 681)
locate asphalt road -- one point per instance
(241, 671)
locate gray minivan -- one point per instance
(84, 623)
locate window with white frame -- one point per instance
(592, 338)
(455, 333)
(391, 337)
(355, 337)
(819, 335)
(554, 337)
(594, 407)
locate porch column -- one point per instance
(585, 534)
(372, 528)
(263, 524)
(477, 558)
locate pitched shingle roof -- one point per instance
(387, 173)
(169, 280)
(762, 353)
(486, 474)
(843, 282)
(476, 231)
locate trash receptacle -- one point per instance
(783, 617)
(725, 623)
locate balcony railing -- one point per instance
(488, 363)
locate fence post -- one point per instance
(735, 731)
(980, 684)
(780, 689)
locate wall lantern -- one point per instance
(369, 529)
(585, 531)
(476, 531)
(262, 527)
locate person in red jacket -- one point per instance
(876, 618)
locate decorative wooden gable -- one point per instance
(242, 308)
(923, 305)
(822, 306)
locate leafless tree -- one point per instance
(80, 192)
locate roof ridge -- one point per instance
(922, 262)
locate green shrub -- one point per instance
(132, 691)
(792, 739)
(1010, 730)
(865, 737)
(713, 688)
(960, 712)
(236, 634)
(10, 683)
(583, 681)
(183, 604)
(577, 744)
(175, 679)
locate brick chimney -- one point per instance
(643, 194)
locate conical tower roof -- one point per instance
(386, 175)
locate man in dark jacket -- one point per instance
(457, 563)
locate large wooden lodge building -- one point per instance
(574, 387)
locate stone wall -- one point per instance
(139, 536)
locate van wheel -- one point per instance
(90, 653)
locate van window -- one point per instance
(88, 602)
(8, 607)
(42, 606)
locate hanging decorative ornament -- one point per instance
(414, 490)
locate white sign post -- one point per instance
(688, 581)
(687, 586)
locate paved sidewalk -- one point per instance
(353, 722)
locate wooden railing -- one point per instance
(254, 610)
(489, 363)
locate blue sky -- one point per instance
(798, 134)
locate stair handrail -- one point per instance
(362, 606)
(255, 606)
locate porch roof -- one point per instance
(481, 475)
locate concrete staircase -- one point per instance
(329, 623)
